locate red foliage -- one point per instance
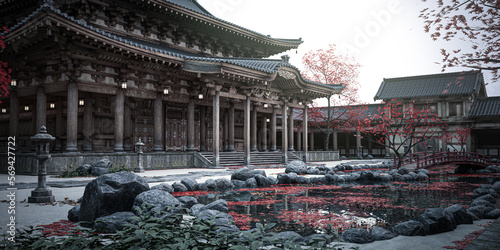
(472, 21)
(191, 193)
(242, 221)
(59, 228)
(460, 136)
(5, 72)
(330, 67)
(462, 244)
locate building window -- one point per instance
(455, 109)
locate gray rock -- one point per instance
(487, 197)
(409, 228)
(95, 171)
(330, 178)
(493, 214)
(226, 229)
(298, 167)
(164, 186)
(425, 171)
(422, 176)
(242, 174)
(496, 186)
(379, 233)
(190, 183)
(403, 171)
(481, 202)
(284, 179)
(436, 220)
(84, 169)
(303, 180)
(357, 235)
(386, 178)
(196, 208)
(262, 181)
(179, 187)
(459, 214)
(156, 203)
(312, 171)
(103, 163)
(202, 186)
(251, 183)
(480, 211)
(109, 194)
(474, 217)
(273, 180)
(258, 171)
(367, 176)
(293, 177)
(73, 213)
(211, 185)
(113, 223)
(188, 201)
(219, 205)
(480, 192)
(238, 183)
(221, 218)
(316, 238)
(224, 184)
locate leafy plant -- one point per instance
(116, 169)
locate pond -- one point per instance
(308, 209)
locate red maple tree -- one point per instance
(5, 72)
(477, 22)
(400, 127)
(458, 136)
(330, 67)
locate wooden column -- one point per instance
(253, 129)
(230, 146)
(347, 144)
(215, 126)
(358, 143)
(87, 124)
(225, 141)
(299, 141)
(14, 115)
(335, 141)
(158, 123)
(246, 131)
(41, 109)
(263, 135)
(311, 142)
(290, 130)
(190, 128)
(273, 130)
(59, 124)
(166, 123)
(72, 118)
(127, 127)
(119, 118)
(203, 128)
(305, 129)
(284, 137)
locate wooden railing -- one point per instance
(429, 158)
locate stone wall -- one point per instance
(59, 162)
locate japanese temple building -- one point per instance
(102, 74)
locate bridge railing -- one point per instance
(429, 158)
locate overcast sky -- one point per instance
(385, 36)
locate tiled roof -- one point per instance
(263, 65)
(447, 84)
(192, 5)
(485, 107)
(336, 111)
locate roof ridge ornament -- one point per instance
(286, 74)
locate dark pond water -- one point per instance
(309, 209)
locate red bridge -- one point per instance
(427, 159)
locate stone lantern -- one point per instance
(42, 141)
(139, 145)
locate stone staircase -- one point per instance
(256, 158)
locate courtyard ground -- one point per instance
(66, 190)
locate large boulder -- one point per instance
(493, 214)
(357, 235)
(488, 197)
(96, 171)
(164, 186)
(403, 171)
(224, 184)
(379, 233)
(238, 183)
(190, 184)
(179, 187)
(459, 214)
(84, 169)
(298, 167)
(496, 186)
(219, 205)
(109, 194)
(220, 218)
(436, 220)
(409, 228)
(262, 181)
(367, 176)
(286, 236)
(103, 163)
(211, 185)
(284, 179)
(156, 203)
(242, 174)
(188, 201)
(113, 223)
(251, 183)
(480, 211)
(73, 213)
